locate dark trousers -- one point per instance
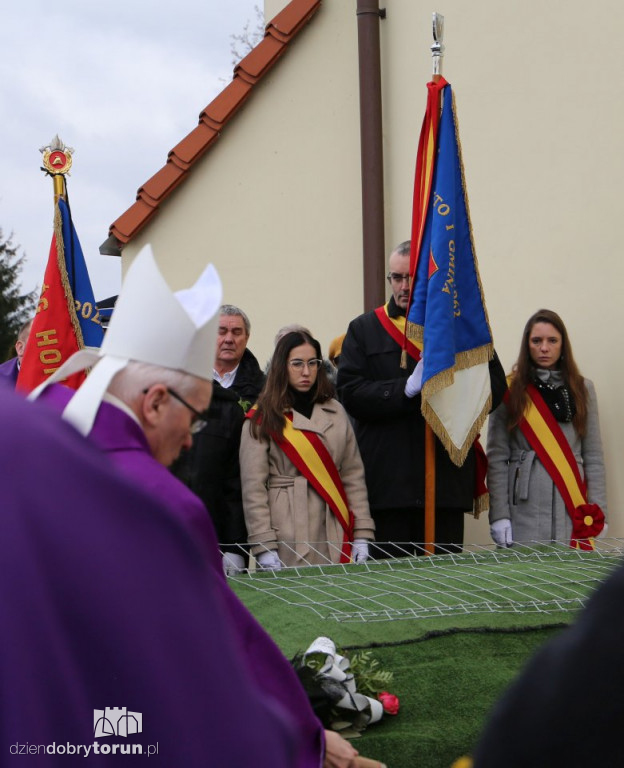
(405, 530)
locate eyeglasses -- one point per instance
(397, 277)
(198, 421)
(298, 365)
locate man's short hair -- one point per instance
(403, 249)
(230, 309)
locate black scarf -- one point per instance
(557, 396)
(303, 402)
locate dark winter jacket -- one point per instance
(249, 379)
(211, 468)
(390, 427)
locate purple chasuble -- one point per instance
(260, 659)
(107, 602)
(8, 372)
(123, 440)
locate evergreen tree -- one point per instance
(15, 307)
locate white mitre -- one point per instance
(150, 324)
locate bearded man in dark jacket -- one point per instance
(383, 400)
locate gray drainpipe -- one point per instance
(368, 16)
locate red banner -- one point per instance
(56, 331)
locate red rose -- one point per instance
(587, 521)
(389, 701)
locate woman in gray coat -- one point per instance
(304, 492)
(525, 503)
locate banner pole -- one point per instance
(437, 52)
(430, 490)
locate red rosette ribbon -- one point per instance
(389, 702)
(587, 522)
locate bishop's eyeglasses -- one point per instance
(198, 422)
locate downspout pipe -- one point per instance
(368, 18)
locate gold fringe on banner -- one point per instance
(62, 267)
(456, 453)
(414, 332)
(463, 360)
(481, 504)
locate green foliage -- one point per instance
(370, 678)
(325, 693)
(15, 307)
(244, 404)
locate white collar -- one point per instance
(227, 379)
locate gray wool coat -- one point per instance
(520, 488)
(282, 511)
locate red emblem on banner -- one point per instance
(433, 267)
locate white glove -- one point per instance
(233, 563)
(414, 383)
(269, 561)
(603, 533)
(359, 550)
(500, 531)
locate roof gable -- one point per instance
(279, 34)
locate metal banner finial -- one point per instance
(57, 157)
(57, 160)
(437, 49)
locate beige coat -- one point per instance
(283, 512)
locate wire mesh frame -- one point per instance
(536, 578)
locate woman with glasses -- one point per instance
(304, 492)
(546, 470)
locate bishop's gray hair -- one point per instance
(130, 382)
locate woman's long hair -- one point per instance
(524, 367)
(276, 396)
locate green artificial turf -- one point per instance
(389, 602)
(453, 630)
(446, 685)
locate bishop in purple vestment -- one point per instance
(107, 601)
(117, 434)
(146, 394)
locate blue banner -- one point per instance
(447, 305)
(79, 283)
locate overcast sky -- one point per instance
(121, 82)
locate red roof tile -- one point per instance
(279, 34)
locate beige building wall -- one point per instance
(541, 120)
(276, 204)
